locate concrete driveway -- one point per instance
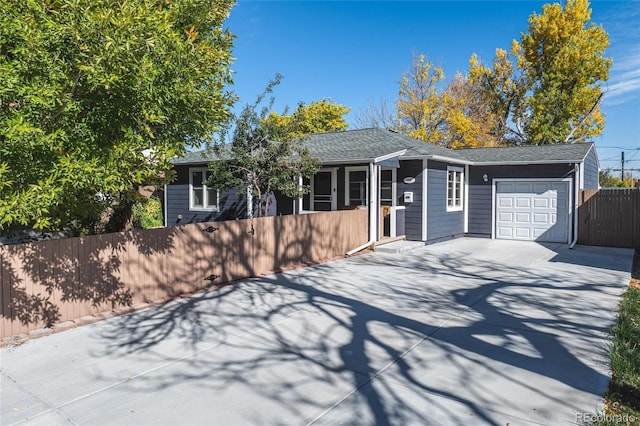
(470, 331)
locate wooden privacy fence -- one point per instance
(609, 217)
(49, 282)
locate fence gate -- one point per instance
(609, 217)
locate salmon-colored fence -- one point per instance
(49, 282)
(609, 217)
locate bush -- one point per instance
(147, 213)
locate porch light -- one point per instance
(485, 177)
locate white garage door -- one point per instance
(535, 211)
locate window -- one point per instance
(454, 188)
(356, 186)
(201, 197)
(386, 187)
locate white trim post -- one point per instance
(425, 182)
(373, 180)
(465, 201)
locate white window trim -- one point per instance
(312, 194)
(215, 208)
(347, 170)
(462, 188)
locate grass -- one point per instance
(622, 406)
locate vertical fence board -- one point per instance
(610, 217)
(70, 278)
(5, 295)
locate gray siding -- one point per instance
(232, 204)
(413, 211)
(480, 202)
(440, 222)
(591, 172)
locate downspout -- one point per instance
(576, 176)
(372, 221)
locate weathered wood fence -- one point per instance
(49, 282)
(609, 217)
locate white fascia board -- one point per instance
(364, 161)
(388, 156)
(450, 160)
(522, 163)
(436, 158)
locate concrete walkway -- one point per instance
(470, 331)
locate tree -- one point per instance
(88, 85)
(255, 160)
(608, 180)
(455, 117)
(317, 117)
(420, 109)
(381, 115)
(502, 88)
(468, 120)
(547, 89)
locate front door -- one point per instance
(323, 191)
(387, 202)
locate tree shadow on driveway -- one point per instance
(378, 340)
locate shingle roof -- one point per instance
(570, 153)
(365, 145)
(196, 157)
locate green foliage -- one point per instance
(317, 117)
(623, 395)
(87, 85)
(625, 348)
(546, 89)
(147, 213)
(254, 160)
(608, 180)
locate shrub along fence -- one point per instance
(49, 282)
(609, 217)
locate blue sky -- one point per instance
(355, 51)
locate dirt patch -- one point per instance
(635, 271)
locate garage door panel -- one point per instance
(505, 217)
(540, 188)
(505, 232)
(532, 211)
(505, 202)
(542, 218)
(541, 203)
(523, 233)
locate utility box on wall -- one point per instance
(408, 197)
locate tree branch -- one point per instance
(586, 116)
(61, 108)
